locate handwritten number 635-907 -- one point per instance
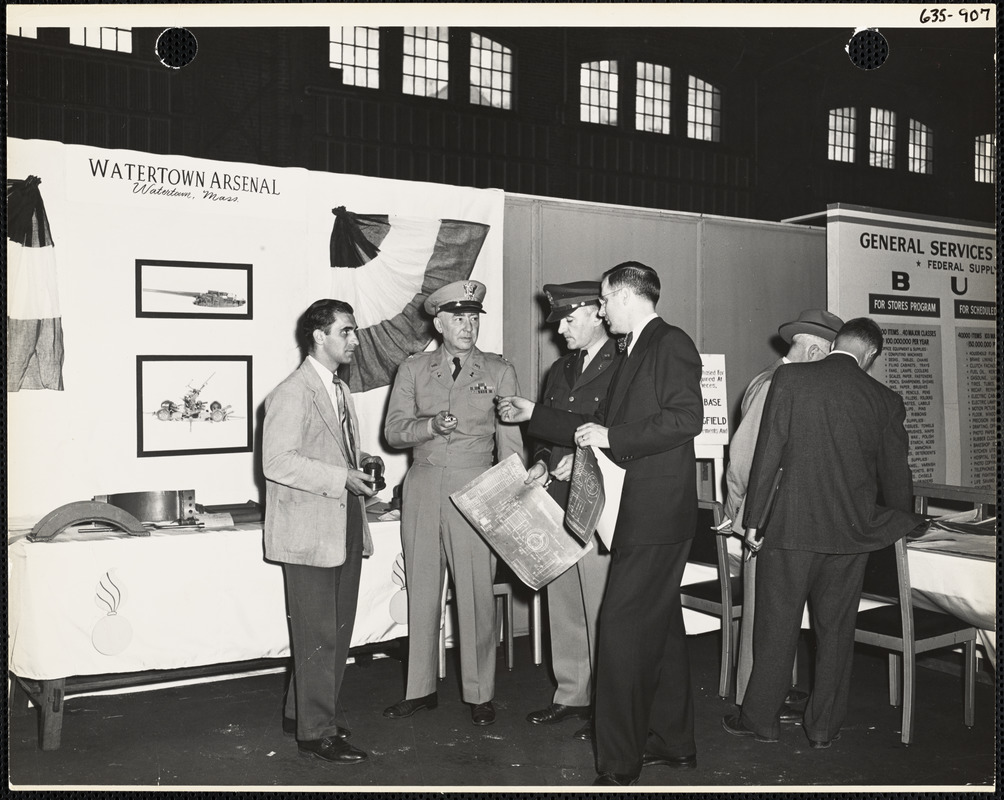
(942, 15)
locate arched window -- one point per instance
(704, 110)
(882, 138)
(652, 95)
(426, 65)
(105, 38)
(920, 155)
(598, 92)
(356, 52)
(491, 73)
(986, 159)
(843, 129)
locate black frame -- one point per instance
(144, 415)
(247, 311)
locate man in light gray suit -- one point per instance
(315, 523)
(809, 338)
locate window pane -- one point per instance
(104, 38)
(920, 156)
(652, 98)
(357, 47)
(882, 138)
(598, 92)
(427, 72)
(842, 132)
(491, 83)
(704, 115)
(986, 158)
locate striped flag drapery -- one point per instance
(34, 324)
(384, 267)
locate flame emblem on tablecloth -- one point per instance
(112, 633)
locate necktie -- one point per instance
(348, 440)
(625, 343)
(580, 365)
(456, 367)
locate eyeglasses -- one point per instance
(605, 297)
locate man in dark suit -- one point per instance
(315, 523)
(809, 338)
(648, 421)
(839, 436)
(576, 382)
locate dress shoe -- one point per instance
(556, 712)
(680, 762)
(289, 728)
(408, 707)
(615, 779)
(332, 749)
(585, 733)
(822, 744)
(733, 724)
(790, 716)
(483, 713)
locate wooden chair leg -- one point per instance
(726, 659)
(510, 650)
(895, 685)
(909, 691)
(970, 683)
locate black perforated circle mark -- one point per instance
(868, 49)
(176, 47)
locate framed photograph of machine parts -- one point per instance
(193, 405)
(193, 290)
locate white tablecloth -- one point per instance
(963, 586)
(174, 599)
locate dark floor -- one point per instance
(228, 734)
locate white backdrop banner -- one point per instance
(109, 209)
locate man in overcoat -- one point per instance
(809, 338)
(845, 491)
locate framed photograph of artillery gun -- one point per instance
(193, 290)
(193, 405)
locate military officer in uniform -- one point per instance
(443, 406)
(576, 382)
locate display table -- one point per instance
(961, 584)
(97, 604)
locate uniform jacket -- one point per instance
(582, 394)
(743, 444)
(653, 410)
(424, 386)
(305, 467)
(839, 435)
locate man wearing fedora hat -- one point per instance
(809, 339)
(442, 406)
(576, 382)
